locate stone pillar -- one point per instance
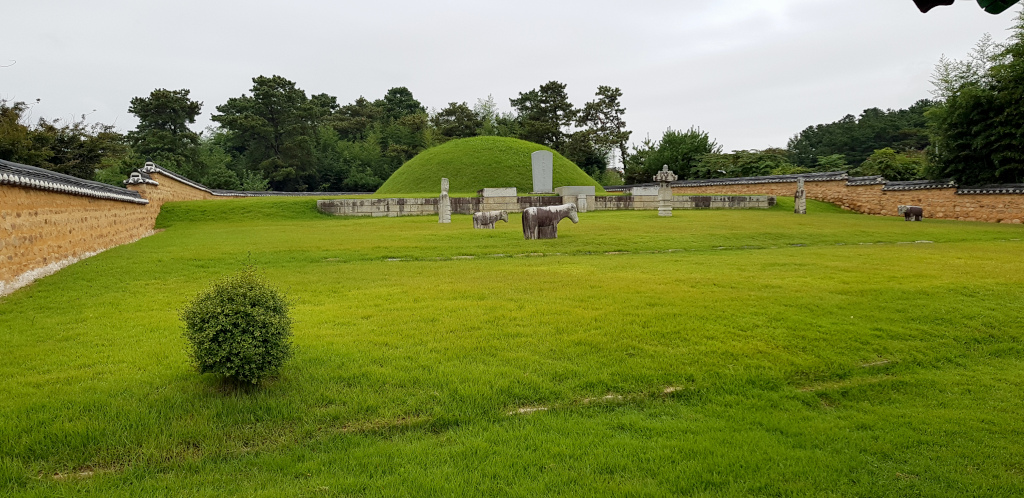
(665, 179)
(444, 204)
(581, 203)
(800, 199)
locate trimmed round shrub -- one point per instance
(238, 328)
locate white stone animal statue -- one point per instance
(487, 219)
(542, 222)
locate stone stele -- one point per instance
(444, 205)
(800, 198)
(543, 171)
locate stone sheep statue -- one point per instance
(487, 219)
(542, 222)
(911, 213)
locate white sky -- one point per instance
(750, 72)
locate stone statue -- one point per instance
(487, 219)
(542, 222)
(911, 213)
(800, 198)
(444, 204)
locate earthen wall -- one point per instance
(940, 203)
(169, 190)
(42, 227)
(45, 229)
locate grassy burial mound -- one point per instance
(471, 164)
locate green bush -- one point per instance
(238, 328)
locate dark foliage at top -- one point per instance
(856, 138)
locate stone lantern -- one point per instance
(665, 179)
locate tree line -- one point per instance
(970, 132)
(276, 137)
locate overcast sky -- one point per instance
(752, 73)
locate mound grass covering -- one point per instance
(471, 164)
(744, 353)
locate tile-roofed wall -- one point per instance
(144, 176)
(876, 195)
(49, 220)
(31, 177)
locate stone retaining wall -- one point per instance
(468, 205)
(392, 207)
(169, 190)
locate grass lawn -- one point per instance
(715, 352)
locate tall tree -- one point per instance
(487, 111)
(977, 129)
(858, 137)
(741, 163)
(892, 165)
(17, 142)
(583, 149)
(457, 121)
(272, 131)
(604, 116)
(163, 133)
(398, 102)
(545, 114)
(354, 121)
(74, 148)
(681, 151)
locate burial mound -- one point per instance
(471, 164)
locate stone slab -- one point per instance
(498, 192)
(576, 190)
(543, 171)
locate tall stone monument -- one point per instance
(444, 204)
(800, 199)
(665, 179)
(543, 171)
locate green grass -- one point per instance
(715, 352)
(471, 164)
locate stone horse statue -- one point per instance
(542, 222)
(487, 219)
(911, 213)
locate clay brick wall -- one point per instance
(776, 189)
(941, 203)
(42, 227)
(991, 208)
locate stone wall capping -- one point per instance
(856, 181)
(751, 180)
(151, 167)
(1009, 188)
(919, 185)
